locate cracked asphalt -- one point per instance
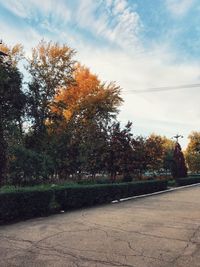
(157, 231)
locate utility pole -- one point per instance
(176, 137)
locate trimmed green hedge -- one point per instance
(188, 180)
(29, 203)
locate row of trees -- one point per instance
(63, 123)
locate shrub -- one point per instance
(188, 180)
(127, 177)
(29, 202)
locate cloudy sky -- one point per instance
(140, 44)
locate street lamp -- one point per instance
(177, 137)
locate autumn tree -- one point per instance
(192, 152)
(155, 152)
(50, 67)
(159, 153)
(14, 53)
(88, 107)
(87, 98)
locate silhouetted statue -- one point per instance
(179, 166)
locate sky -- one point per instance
(139, 44)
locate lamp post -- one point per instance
(176, 137)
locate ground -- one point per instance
(160, 230)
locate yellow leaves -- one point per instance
(15, 53)
(67, 114)
(87, 95)
(194, 143)
(52, 52)
(52, 64)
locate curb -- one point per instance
(156, 193)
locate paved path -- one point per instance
(156, 231)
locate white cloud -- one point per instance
(111, 20)
(164, 113)
(35, 9)
(26, 35)
(116, 21)
(120, 6)
(179, 7)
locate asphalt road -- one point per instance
(156, 231)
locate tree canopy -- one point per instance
(192, 152)
(62, 123)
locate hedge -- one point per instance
(188, 180)
(29, 203)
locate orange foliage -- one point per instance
(86, 93)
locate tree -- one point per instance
(168, 147)
(14, 53)
(159, 153)
(155, 152)
(192, 153)
(86, 109)
(139, 156)
(51, 67)
(12, 101)
(120, 151)
(179, 168)
(28, 167)
(64, 150)
(87, 98)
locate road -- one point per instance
(157, 231)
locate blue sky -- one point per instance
(137, 43)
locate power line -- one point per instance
(162, 89)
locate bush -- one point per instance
(29, 202)
(188, 180)
(127, 178)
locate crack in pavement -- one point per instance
(109, 236)
(137, 232)
(51, 249)
(187, 245)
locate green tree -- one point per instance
(28, 167)
(139, 156)
(12, 102)
(120, 151)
